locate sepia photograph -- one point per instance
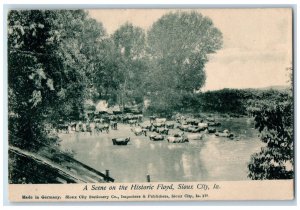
(150, 95)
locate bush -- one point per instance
(274, 120)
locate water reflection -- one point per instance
(152, 146)
(186, 160)
(213, 158)
(151, 168)
(137, 143)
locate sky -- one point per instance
(257, 43)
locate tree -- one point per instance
(48, 74)
(94, 46)
(31, 88)
(180, 43)
(105, 76)
(130, 46)
(78, 51)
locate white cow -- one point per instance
(161, 120)
(139, 131)
(203, 126)
(196, 136)
(225, 133)
(181, 139)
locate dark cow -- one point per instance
(97, 125)
(152, 119)
(73, 126)
(132, 122)
(211, 130)
(106, 118)
(156, 137)
(63, 127)
(178, 134)
(113, 118)
(120, 141)
(140, 117)
(88, 128)
(114, 125)
(152, 128)
(162, 131)
(80, 126)
(170, 125)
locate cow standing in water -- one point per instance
(72, 126)
(97, 128)
(102, 127)
(114, 125)
(92, 127)
(84, 127)
(80, 127)
(63, 127)
(156, 137)
(132, 122)
(88, 128)
(152, 119)
(181, 139)
(139, 131)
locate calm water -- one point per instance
(213, 158)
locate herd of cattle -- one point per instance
(158, 129)
(191, 129)
(99, 125)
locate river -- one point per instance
(213, 158)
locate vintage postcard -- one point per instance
(150, 104)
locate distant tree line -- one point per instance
(236, 102)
